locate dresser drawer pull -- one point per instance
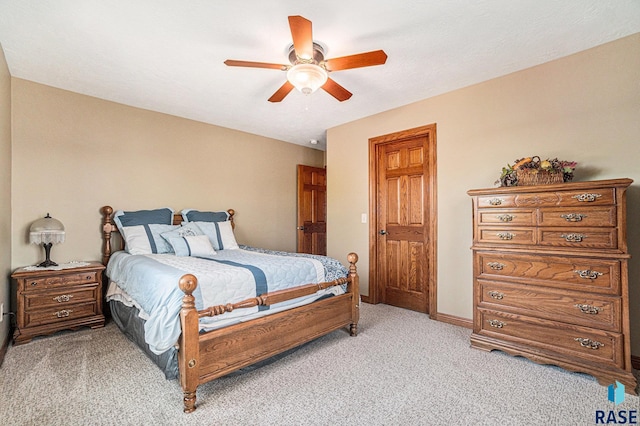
(588, 343)
(588, 309)
(34, 283)
(505, 217)
(495, 295)
(505, 235)
(588, 274)
(587, 198)
(495, 201)
(573, 217)
(497, 323)
(496, 266)
(63, 313)
(573, 238)
(63, 298)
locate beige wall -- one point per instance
(585, 107)
(5, 191)
(72, 154)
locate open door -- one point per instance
(312, 210)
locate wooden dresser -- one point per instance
(50, 300)
(550, 276)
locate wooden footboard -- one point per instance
(206, 356)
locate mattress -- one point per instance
(149, 283)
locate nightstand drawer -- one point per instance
(62, 297)
(59, 314)
(39, 282)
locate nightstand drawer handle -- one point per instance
(588, 274)
(495, 295)
(63, 313)
(505, 217)
(587, 198)
(573, 238)
(588, 309)
(495, 201)
(34, 283)
(496, 323)
(505, 235)
(496, 266)
(588, 343)
(63, 298)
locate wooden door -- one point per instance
(403, 231)
(312, 210)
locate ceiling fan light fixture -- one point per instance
(307, 78)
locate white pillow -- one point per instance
(147, 239)
(192, 245)
(220, 234)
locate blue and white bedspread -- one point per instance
(150, 283)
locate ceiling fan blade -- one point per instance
(335, 90)
(281, 92)
(302, 36)
(376, 57)
(234, 63)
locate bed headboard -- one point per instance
(109, 228)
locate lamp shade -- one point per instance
(307, 78)
(46, 230)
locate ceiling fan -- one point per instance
(309, 70)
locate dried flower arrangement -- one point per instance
(533, 171)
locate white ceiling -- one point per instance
(167, 55)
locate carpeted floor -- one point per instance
(402, 369)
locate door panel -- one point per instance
(403, 267)
(312, 210)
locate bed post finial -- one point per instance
(354, 287)
(231, 213)
(189, 353)
(107, 229)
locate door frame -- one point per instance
(428, 131)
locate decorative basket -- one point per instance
(528, 177)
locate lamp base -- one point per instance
(47, 252)
(47, 263)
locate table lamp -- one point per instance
(46, 231)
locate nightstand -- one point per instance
(50, 300)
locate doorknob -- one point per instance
(300, 228)
(382, 232)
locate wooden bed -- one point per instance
(205, 356)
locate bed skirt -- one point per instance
(128, 321)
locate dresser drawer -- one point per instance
(588, 238)
(583, 217)
(571, 273)
(565, 198)
(61, 297)
(496, 201)
(592, 197)
(40, 282)
(585, 309)
(525, 217)
(495, 235)
(567, 340)
(58, 314)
